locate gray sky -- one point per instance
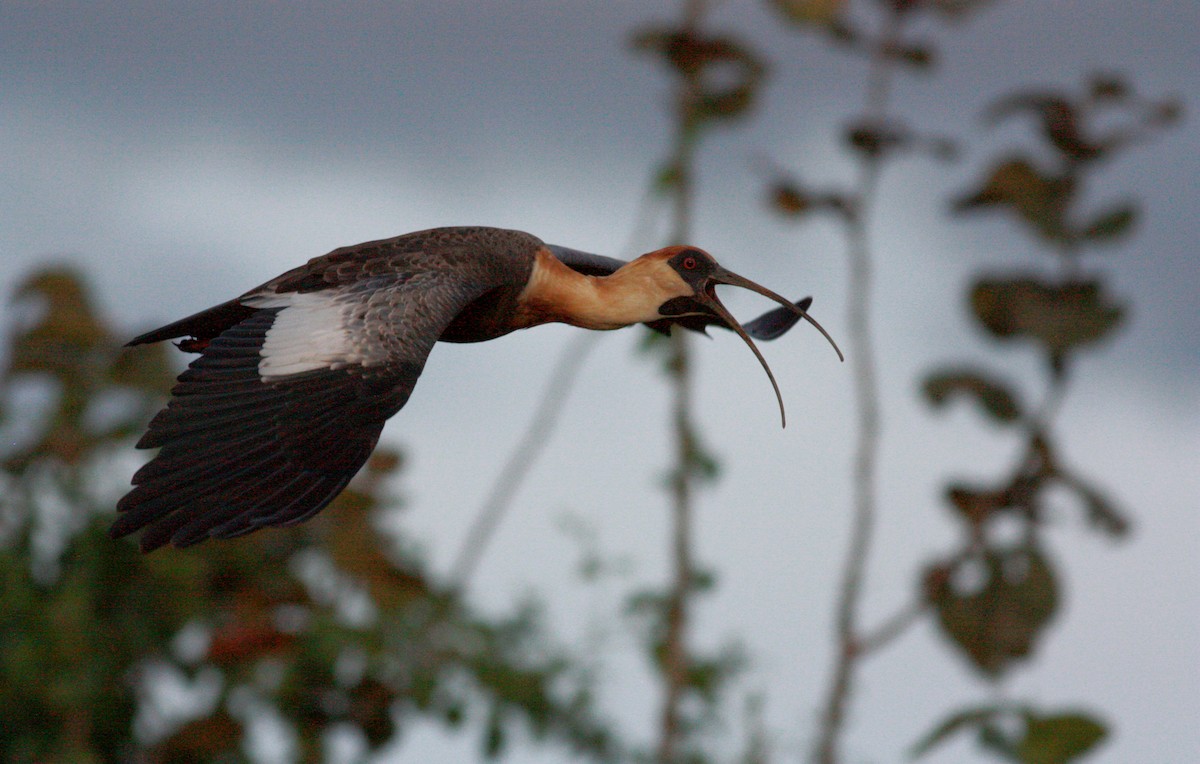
(182, 153)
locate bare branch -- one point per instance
(866, 391)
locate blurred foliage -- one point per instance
(724, 75)
(109, 655)
(816, 12)
(997, 617)
(65, 346)
(994, 599)
(716, 79)
(993, 396)
(1078, 132)
(1063, 313)
(1021, 734)
(994, 595)
(1061, 316)
(843, 26)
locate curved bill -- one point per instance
(708, 298)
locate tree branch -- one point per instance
(676, 657)
(866, 394)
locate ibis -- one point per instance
(296, 377)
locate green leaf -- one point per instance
(976, 505)
(1108, 86)
(993, 397)
(916, 56)
(810, 12)
(1060, 317)
(1000, 621)
(956, 722)
(790, 200)
(874, 139)
(1110, 225)
(702, 463)
(726, 104)
(371, 709)
(1099, 511)
(1060, 118)
(956, 9)
(994, 739)
(1059, 738)
(1040, 200)
(690, 54)
(1039, 739)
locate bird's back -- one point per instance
(475, 253)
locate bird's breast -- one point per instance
(489, 316)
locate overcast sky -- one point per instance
(182, 153)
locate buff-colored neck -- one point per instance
(630, 295)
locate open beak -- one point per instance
(708, 298)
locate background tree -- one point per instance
(326, 640)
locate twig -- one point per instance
(676, 657)
(891, 629)
(675, 648)
(866, 390)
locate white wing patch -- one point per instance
(309, 333)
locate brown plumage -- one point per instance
(296, 377)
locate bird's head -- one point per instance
(688, 277)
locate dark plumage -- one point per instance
(296, 377)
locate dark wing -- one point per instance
(239, 452)
(200, 327)
(770, 325)
(585, 262)
(774, 323)
(284, 406)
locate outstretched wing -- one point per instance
(240, 451)
(285, 405)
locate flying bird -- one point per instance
(295, 378)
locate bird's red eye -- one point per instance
(689, 263)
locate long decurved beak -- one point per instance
(708, 298)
